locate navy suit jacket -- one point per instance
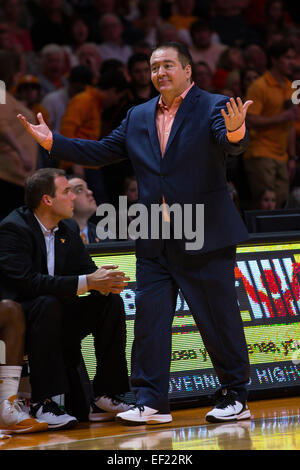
(192, 170)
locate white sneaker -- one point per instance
(13, 419)
(228, 408)
(140, 414)
(105, 408)
(50, 412)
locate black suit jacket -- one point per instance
(23, 258)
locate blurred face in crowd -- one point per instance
(84, 202)
(111, 28)
(202, 76)
(61, 206)
(185, 7)
(53, 65)
(140, 73)
(79, 32)
(236, 58)
(89, 56)
(268, 201)
(132, 191)
(275, 11)
(167, 73)
(250, 76)
(12, 10)
(256, 57)
(285, 64)
(112, 97)
(29, 93)
(202, 38)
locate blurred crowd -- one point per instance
(84, 63)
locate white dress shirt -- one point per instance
(49, 236)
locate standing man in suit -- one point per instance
(177, 144)
(45, 267)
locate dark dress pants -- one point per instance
(55, 329)
(207, 284)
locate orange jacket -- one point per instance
(82, 118)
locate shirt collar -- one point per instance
(273, 82)
(179, 98)
(44, 229)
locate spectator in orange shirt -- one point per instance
(183, 16)
(83, 119)
(270, 158)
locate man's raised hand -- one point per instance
(236, 113)
(40, 132)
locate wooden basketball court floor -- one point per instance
(275, 425)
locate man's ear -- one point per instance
(47, 200)
(188, 70)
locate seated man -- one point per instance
(13, 419)
(45, 266)
(84, 207)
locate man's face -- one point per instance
(84, 202)
(140, 73)
(285, 64)
(62, 204)
(53, 64)
(268, 201)
(202, 76)
(167, 74)
(202, 38)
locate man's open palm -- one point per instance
(40, 132)
(236, 113)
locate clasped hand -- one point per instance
(107, 279)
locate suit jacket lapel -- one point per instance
(38, 234)
(184, 111)
(151, 123)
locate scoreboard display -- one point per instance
(267, 281)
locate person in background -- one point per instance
(13, 417)
(79, 35)
(202, 48)
(84, 208)
(56, 102)
(256, 58)
(88, 55)
(113, 45)
(270, 158)
(267, 200)
(203, 76)
(247, 76)
(53, 68)
(140, 86)
(28, 91)
(18, 155)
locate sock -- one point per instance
(9, 381)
